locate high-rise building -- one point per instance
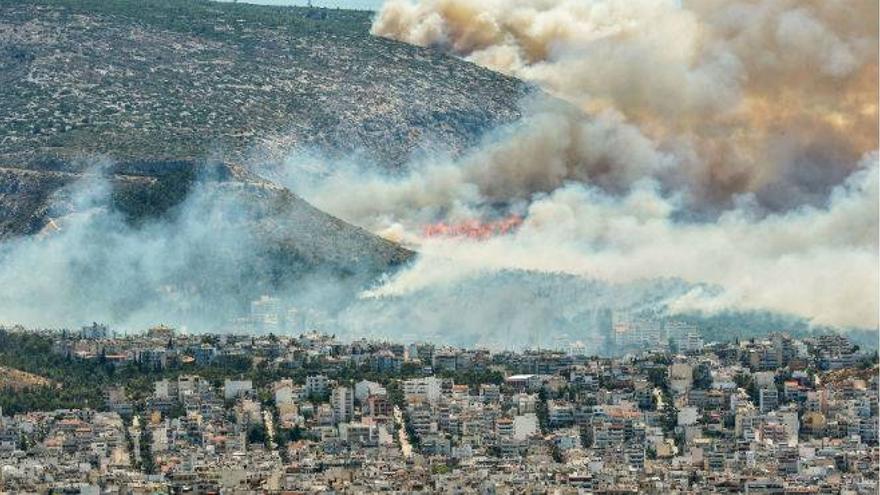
(427, 389)
(265, 314)
(685, 336)
(342, 402)
(316, 385)
(768, 399)
(95, 331)
(632, 332)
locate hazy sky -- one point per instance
(346, 4)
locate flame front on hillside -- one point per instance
(473, 229)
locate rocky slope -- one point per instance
(169, 79)
(160, 88)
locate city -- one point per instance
(266, 413)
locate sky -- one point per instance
(345, 4)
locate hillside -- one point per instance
(162, 85)
(158, 92)
(16, 380)
(170, 102)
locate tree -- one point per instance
(542, 412)
(702, 376)
(256, 433)
(657, 376)
(148, 463)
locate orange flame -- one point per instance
(473, 229)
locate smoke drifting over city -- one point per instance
(695, 159)
(89, 264)
(774, 98)
(200, 265)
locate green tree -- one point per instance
(256, 433)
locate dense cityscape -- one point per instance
(166, 412)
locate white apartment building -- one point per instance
(425, 389)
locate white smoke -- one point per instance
(815, 262)
(820, 263)
(198, 265)
(551, 145)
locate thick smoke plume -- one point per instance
(728, 143)
(772, 97)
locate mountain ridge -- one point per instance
(163, 90)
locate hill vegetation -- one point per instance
(159, 95)
(173, 80)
